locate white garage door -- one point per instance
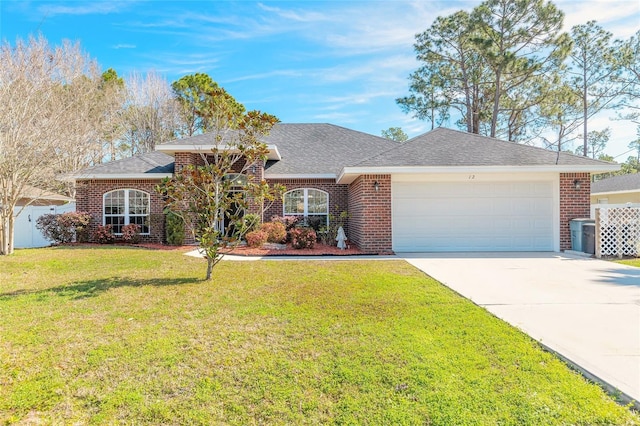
(472, 216)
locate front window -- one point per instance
(125, 207)
(312, 204)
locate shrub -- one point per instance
(103, 234)
(174, 229)
(256, 238)
(276, 232)
(65, 227)
(317, 222)
(329, 233)
(131, 233)
(289, 222)
(250, 223)
(302, 238)
(48, 225)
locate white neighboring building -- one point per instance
(26, 235)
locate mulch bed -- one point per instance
(318, 250)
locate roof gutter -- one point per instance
(276, 176)
(171, 149)
(621, 191)
(104, 176)
(349, 174)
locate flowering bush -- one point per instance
(131, 233)
(65, 227)
(289, 222)
(103, 234)
(302, 238)
(256, 238)
(276, 231)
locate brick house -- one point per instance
(442, 191)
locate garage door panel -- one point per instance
(473, 216)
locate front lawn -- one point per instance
(631, 262)
(105, 336)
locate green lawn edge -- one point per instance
(95, 336)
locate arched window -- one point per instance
(312, 204)
(124, 207)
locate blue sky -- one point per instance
(342, 62)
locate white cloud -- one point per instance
(84, 8)
(305, 16)
(620, 17)
(124, 46)
(268, 74)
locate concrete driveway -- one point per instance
(586, 310)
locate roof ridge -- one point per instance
(477, 135)
(139, 155)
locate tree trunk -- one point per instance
(210, 263)
(6, 246)
(496, 106)
(585, 106)
(11, 232)
(584, 128)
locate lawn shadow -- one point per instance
(91, 288)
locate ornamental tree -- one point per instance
(212, 199)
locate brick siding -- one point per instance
(89, 198)
(574, 203)
(369, 225)
(370, 221)
(338, 200)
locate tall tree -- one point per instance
(429, 100)
(395, 134)
(112, 97)
(46, 98)
(560, 112)
(151, 115)
(453, 75)
(596, 142)
(212, 199)
(591, 72)
(518, 40)
(626, 56)
(192, 92)
(635, 144)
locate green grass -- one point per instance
(104, 336)
(630, 262)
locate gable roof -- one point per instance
(320, 149)
(621, 183)
(206, 142)
(152, 165)
(447, 147)
(445, 150)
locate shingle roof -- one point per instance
(320, 148)
(617, 183)
(446, 147)
(149, 163)
(33, 193)
(325, 149)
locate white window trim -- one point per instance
(126, 208)
(306, 204)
